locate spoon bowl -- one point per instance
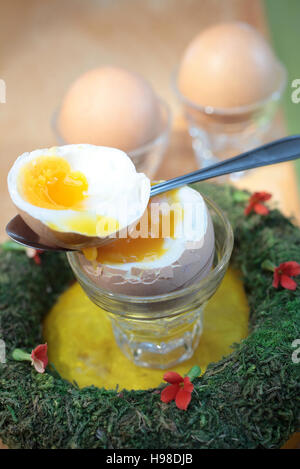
(20, 232)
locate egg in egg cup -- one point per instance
(161, 329)
(112, 106)
(229, 84)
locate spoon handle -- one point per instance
(285, 149)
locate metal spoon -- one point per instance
(278, 151)
(20, 232)
(285, 149)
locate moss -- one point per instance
(250, 399)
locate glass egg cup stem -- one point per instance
(221, 133)
(161, 343)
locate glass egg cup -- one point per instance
(163, 330)
(148, 157)
(220, 133)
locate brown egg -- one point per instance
(110, 106)
(228, 65)
(153, 266)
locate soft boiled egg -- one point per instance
(172, 244)
(73, 196)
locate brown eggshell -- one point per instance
(228, 65)
(196, 260)
(110, 106)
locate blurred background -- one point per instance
(46, 44)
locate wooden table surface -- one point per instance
(47, 44)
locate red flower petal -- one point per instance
(169, 393)
(183, 398)
(254, 203)
(290, 268)
(40, 353)
(254, 198)
(188, 386)
(38, 365)
(172, 377)
(249, 208)
(287, 282)
(261, 209)
(276, 278)
(260, 197)
(263, 196)
(37, 259)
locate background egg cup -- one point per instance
(220, 133)
(148, 157)
(163, 330)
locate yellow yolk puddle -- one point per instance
(86, 224)
(151, 230)
(49, 182)
(82, 347)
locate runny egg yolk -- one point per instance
(143, 248)
(49, 182)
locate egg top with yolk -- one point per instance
(142, 266)
(83, 189)
(49, 182)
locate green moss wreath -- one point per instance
(249, 399)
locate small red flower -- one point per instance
(37, 259)
(39, 358)
(34, 254)
(180, 390)
(255, 203)
(283, 274)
